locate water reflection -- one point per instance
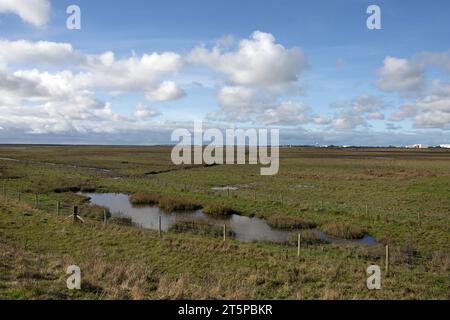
(246, 229)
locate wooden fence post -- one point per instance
(321, 204)
(299, 243)
(75, 214)
(224, 232)
(367, 210)
(57, 208)
(159, 226)
(387, 260)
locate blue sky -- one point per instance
(334, 80)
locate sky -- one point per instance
(139, 69)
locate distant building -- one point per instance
(445, 146)
(417, 146)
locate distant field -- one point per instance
(400, 197)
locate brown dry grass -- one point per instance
(344, 231)
(289, 222)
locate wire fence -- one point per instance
(386, 253)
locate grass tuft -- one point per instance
(172, 204)
(344, 231)
(220, 210)
(144, 198)
(289, 222)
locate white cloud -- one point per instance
(256, 74)
(258, 62)
(401, 75)
(146, 73)
(41, 52)
(42, 102)
(287, 113)
(242, 104)
(356, 112)
(432, 110)
(367, 103)
(35, 12)
(347, 120)
(168, 90)
(143, 112)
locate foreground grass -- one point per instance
(37, 247)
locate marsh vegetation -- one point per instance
(401, 200)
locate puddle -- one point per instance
(305, 186)
(366, 240)
(246, 229)
(224, 188)
(234, 188)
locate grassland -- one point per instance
(401, 197)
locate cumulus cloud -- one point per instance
(238, 103)
(287, 113)
(401, 75)
(257, 62)
(35, 12)
(168, 90)
(432, 110)
(143, 112)
(256, 74)
(41, 52)
(146, 73)
(346, 120)
(45, 102)
(367, 103)
(356, 112)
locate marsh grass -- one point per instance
(166, 203)
(219, 210)
(412, 182)
(144, 198)
(343, 231)
(177, 204)
(289, 222)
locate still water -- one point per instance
(246, 229)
